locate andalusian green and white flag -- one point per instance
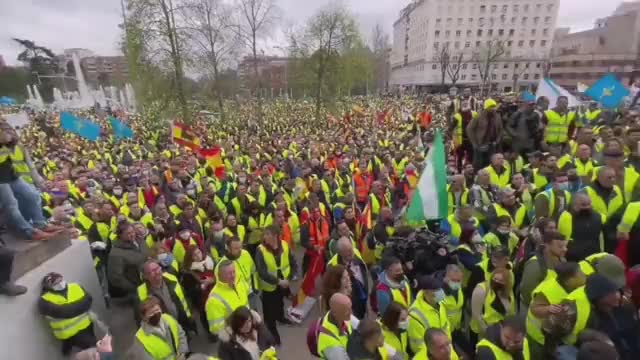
(429, 200)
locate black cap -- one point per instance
(598, 286)
(429, 283)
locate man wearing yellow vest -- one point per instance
(351, 259)
(275, 265)
(228, 294)
(160, 336)
(427, 312)
(559, 120)
(499, 174)
(457, 128)
(244, 264)
(545, 301)
(507, 205)
(503, 341)
(335, 329)
(21, 202)
(438, 346)
(167, 289)
(583, 228)
(552, 202)
(481, 194)
(393, 286)
(66, 306)
(454, 304)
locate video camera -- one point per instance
(427, 250)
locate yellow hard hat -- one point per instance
(490, 103)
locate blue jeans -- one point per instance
(22, 206)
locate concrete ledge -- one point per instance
(31, 254)
(25, 334)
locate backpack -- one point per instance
(312, 337)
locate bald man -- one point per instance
(583, 227)
(350, 258)
(332, 341)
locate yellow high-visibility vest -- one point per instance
(158, 348)
(66, 328)
(272, 265)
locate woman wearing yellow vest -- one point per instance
(427, 312)
(394, 323)
(368, 342)
(546, 299)
(492, 301)
(159, 337)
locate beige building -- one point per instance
(612, 46)
(424, 27)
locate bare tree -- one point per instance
(518, 70)
(443, 58)
(329, 32)
(214, 38)
(256, 19)
(162, 39)
(453, 70)
(380, 44)
(485, 59)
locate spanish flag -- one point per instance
(183, 135)
(214, 160)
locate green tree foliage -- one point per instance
(39, 60)
(13, 82)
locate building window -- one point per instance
(506, 65)
(474, 77)
(501, 32)
(467, 44)
(463, 77)
(458, 33)
(509, 43)
(449, 20)
(533, 32)
(460, 21)
(547, 19)
(526, 76)
(447, 33)
(494, 76)
(464, 66)
(526, 7)
(543, 43)
(549, 7)
(526, 66)
(490, 32)
(516, 7)
(474, 66)
(513, 20)
(503, 18)
(532, 43)
(481, 21)
(437, 33)
(436, 45)
(494, 8)
(438, 21)
(505, 8)
(479, 32)
(470, 21)
(504, 76)
(538, 65)
(536, 20)
(477, 44)
(456, 45)
(524, 20)
(538, 7)
(483, 9)
(545, 32)
(512, 32)
(469, 33)
(434, 66)
(536, 76)
(521, 43)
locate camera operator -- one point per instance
(383, 229)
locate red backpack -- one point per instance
(312, 337)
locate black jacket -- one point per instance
(622, 326)
(357, 351)
(230, 349)
(67, 311)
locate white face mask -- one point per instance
(117, 192)
(476, 238)
(403, 325)
(60, 286)
(185, 235)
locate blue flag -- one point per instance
(527, 96)
(120, 130)
(83, 128)
(608, 91)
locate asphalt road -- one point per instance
(294, 337)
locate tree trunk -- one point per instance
(175, 58)
(258, 80)
(319, 86)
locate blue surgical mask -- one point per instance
(563, 186)
(165, 259)
(455, 285)
(439, 295)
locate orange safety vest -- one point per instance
(363, 187)
(285, 235)
(319, 234)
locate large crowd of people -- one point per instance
(537, 258)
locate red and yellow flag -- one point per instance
(183, 135)
(214, 160)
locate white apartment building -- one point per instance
(525, 28)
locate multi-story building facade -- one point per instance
(105, 70)
(2, 63)
(612, 46)
(273, 73)
(522, 29)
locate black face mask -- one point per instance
(231, 257)
(497, 286)
(584, 212)
(154, 320)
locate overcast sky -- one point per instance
(93, 24)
